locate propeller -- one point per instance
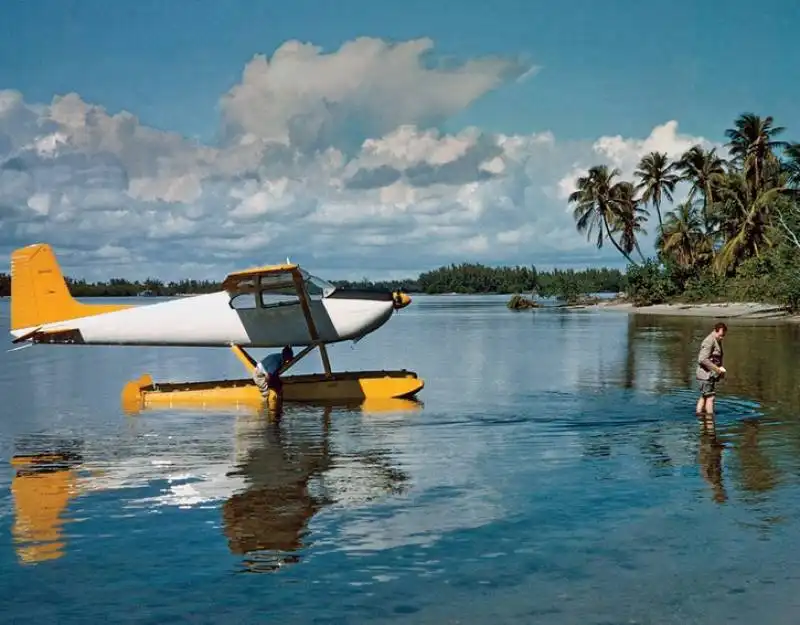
(400, 299)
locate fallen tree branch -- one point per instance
(792, 235)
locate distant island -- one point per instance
(735, 238)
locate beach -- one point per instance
(722, 310)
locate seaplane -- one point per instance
(262, 307)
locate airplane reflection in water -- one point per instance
(41, 488)
(279, 475)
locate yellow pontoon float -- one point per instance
(370, 390)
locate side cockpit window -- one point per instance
(278, 289)
(243, 301)
(281, 297)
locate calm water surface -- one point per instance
(555, 473)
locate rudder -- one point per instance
(39, 293)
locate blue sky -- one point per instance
(606, 69)
(619, 67)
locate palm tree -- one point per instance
(657, 179)
(703, 169)
(683, 237)
(752, 144)
(788, 215)
(628, 217)
(792, 165)
(597, 203)
(747, 213)
(735, 210)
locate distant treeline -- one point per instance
(475, 278)
(120, 287)
(463, 278)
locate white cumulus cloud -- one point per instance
(624, 154)
(335, 159)
(307, 99)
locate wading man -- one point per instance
(710, 369)
(267, 377)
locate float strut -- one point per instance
(250, 364)
(326, 363)
(245, 358)
(291, 363)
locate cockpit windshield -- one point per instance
(316, 285)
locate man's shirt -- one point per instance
(271, 363)
(710, 352)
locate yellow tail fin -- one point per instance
(39, 293)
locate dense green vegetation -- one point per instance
(464, 278)
(736, 236)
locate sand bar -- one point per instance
(727, 310)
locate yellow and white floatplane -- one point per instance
(262, 307)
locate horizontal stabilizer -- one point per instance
(65, 335)
(26, 337)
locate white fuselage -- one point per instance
(209, 320)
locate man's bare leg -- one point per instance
(700, 408)
(709, 405)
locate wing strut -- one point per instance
(312, 329)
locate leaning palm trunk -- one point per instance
(638, 249)
(611, 238)
(657, 204)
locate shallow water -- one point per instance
(555, 473)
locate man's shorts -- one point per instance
(266, 385)
(260, 379)
(708, 388)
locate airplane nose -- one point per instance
(400, 299)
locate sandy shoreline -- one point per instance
(728, 310)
